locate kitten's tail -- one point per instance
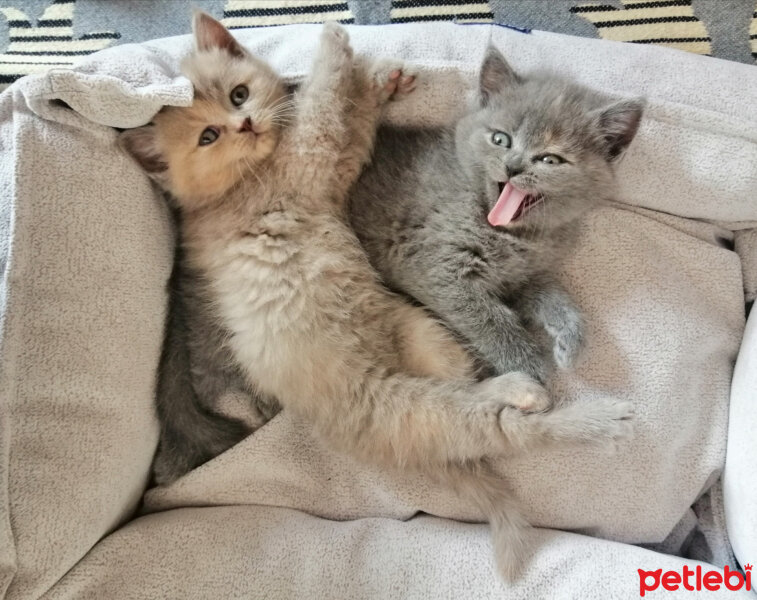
(191, 434)
(477, 483)
(449, 428)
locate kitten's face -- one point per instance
(200, 152)
(542, 148)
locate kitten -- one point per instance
(199, 382)
(204, 403)
(263, 220)
(480, 213)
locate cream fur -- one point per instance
(310, 322)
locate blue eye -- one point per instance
(552, 159)
(208, 136)
(500, 138)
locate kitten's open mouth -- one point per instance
(511, 205)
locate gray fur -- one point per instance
(420, 211)
(197, 378)
(309, 320)
(421, 208)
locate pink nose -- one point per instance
(246, 125)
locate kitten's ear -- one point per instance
(618, 124)
(142, 144)
(496, 75)
(210, 34)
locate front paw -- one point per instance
(524, 392)
(334, 35)
(567, 345)
(392, 79)
(335, 46)
(516, 390)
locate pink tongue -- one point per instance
(507, 205)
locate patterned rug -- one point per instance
(36, 35)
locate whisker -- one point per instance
(239, 169)
(281, 116)
(270, 93)
(253, 171)
(535, 232)
(277, 110)
(544, 215)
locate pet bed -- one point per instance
(663, 276)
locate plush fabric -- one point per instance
(665, 313)
(258, 552)
(49, 31)
(83, 307)
(84, 298)
(740, 477)
(745, 244)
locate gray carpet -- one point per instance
(40, 34)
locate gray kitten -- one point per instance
(424, 212)
(263, 220)
(470, 220)
(199, 383)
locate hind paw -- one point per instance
(603, 421)
(392, 79)
(567, 346)
(614, 418)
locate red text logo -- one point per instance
(695, 579)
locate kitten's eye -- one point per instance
(552, 159)
(208, 136)
(239, 95)
(500, 138)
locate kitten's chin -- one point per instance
(196, 194)
(261, 146)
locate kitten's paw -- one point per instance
(334, 35)
(567, 345)
(392, 79)
(335, 49)
(614, 420)
(518, 390)
(600, 421)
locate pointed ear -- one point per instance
(210, 34)
(142, 144)
(618, 124)
(496, 75)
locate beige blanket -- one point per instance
(86, 249)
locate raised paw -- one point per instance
(333, 34)
(392, 79)
(567, 345)
(518, 390)
(335, 48)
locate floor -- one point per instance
(39, 34)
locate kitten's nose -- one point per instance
(246, 125)
(513, 170)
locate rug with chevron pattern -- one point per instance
(36, 35)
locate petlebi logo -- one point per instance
(695, 579)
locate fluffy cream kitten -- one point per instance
(261, 201)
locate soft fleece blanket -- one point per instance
(84, 301)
